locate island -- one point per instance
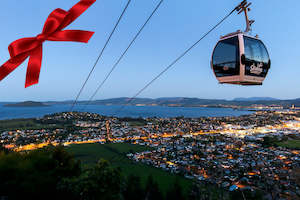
(27, 104)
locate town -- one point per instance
(249, 152)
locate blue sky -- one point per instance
(176, 25)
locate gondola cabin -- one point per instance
(240, 59)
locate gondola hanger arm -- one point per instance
(244, 6)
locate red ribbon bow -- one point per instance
(32, 47)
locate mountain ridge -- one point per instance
(184, 102)
(256, 99)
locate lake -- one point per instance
(128, 111)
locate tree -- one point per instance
(4, 150)
(269, 141)
(133, 189)
(152, 190)
(35, 174)
(175, 192)
(194, 193)
(100, 182)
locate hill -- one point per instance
(26, 104)
(196, 102)
(256, 99)
(172, 102)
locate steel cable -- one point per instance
(124, 53)
(175, 61)
(100, 55)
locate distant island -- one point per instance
(27, 104)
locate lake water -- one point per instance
(128, 111)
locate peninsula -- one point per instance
(27, 104)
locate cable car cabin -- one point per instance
(240, 59)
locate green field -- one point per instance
(89, 154)
(291, 144)
(16, 123)
(24, 124)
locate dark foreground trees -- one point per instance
(35, 174)
(99, 182)
(52, 173)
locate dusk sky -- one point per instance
(176, 26)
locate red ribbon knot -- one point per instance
(41, 38)
(32, 47)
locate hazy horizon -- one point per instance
(147, 98)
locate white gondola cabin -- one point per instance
(239, 58)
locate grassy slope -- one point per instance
(17, 124)
(116, 154)
(292, 144)
(24, 124)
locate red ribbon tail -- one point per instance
(11, 65)
(34, 66)
(72, 36)
(76, 11)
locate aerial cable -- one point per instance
(123, 54)
(176, 60)
(100, 55)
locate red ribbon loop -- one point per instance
(23, 48)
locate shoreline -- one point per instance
(7, 113)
